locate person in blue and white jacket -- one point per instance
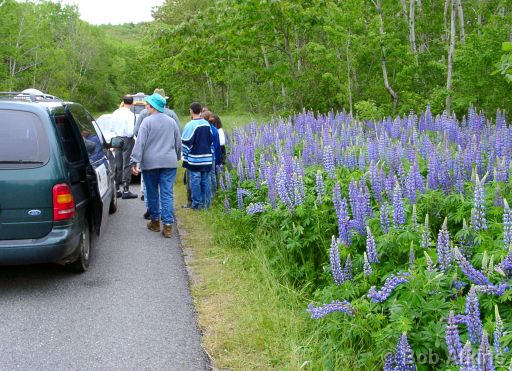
(197, 140)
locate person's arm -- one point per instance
(138, 149)
(177, 140)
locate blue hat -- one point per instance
(156, 101)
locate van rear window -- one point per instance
(23, 140)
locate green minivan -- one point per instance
(56, 181)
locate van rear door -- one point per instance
(26, 206)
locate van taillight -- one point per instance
(63, 202)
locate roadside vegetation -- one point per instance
(368, 179)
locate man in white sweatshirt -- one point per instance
(122, 123)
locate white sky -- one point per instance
(114, 11)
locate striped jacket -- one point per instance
(197, 140)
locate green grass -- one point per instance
(250, 321)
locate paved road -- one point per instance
(131, 311)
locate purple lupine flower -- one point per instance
(466, 358)
(320, 187)
(384, 217)
(398, 207)
(473, 321)
(341, 208)
(391, 283)
(389, 362)
(227, 208)
(432, 175)
(336, 306)
(376, 182)
(478, 220)
(498, 198)
(282, 189)
(453, 340)
(347, 269)
(496, 290)
(240, 198)
(337, 272)
(484, 358)
(471, 272)
(443, 247)
(403, 357)
(410, 187)
(221, 183)
(227, 177)
(507, 225)
(240, 171)
(367, 268)
(430, 263)
(371, 249)
(328, 162)
(255, 208)
(425, 235)
(499, 331)
(412, 257)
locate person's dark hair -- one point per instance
(128, 99)
(218, 123)
(195, 107)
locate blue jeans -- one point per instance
(163, 199)
(201, 189)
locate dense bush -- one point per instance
(397, 229)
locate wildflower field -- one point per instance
(397, 231)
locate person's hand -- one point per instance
(134, 170)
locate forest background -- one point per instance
(369, 57)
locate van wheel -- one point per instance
(113, 202)
(81, 264)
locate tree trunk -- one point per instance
(349, 80)
(460, 13)
(291, 60)
(392, 93)
(445, 18)
(267, 66)
(404, 9)
(450, 59)
(412, 33)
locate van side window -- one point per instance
(94, 142)
(68, 140)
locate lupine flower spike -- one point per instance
(337, 272)
(367, 268)
(425, 235)
(484, 358)
(391, 283)
(507, 225)
(466, 358)
(336, 306)
(443, 247)
(430, 263)
(473, 320)
(478, 220)
(453, 340)
(403, 358)
(499, 331)
(371, 249)
(412, 257)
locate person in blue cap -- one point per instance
(157, 150)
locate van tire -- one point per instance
(81, 264)
(113, 202)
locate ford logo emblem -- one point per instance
(34, 212)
